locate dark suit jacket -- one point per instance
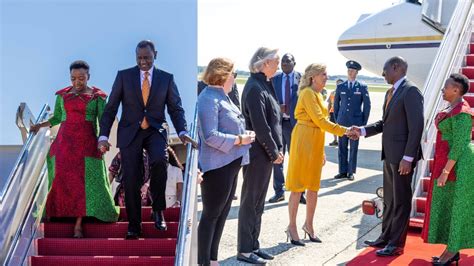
(233, 94)
(262, 114)
(352, 107)
(127, 91)
(402, 124)
(277, 80)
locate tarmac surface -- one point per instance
(339, 221)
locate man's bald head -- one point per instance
(394, 69)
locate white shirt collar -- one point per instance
(150, 72)
(289, 75)
(150, 75)
(398, 83)
(349, 82)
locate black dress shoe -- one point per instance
(132, 235)
(350, 177)
(277, 198)
(262, 254)
(339, 176)
(160, 222)
(252, 259)
(302, 199)
(334, 143)
(389, 251)
(379, 243)
(454, 258)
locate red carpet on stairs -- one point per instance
(416, 253)
(104, 243)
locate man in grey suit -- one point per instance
(402, 127)
(286, 88)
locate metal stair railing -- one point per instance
(448, 60)
(186, 247)
(18, 194)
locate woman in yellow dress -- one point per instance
(307, 149)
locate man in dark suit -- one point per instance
(286, 88)
(143, 91)
(402, 127)
(351, 107)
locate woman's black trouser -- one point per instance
(217, 191)
(254, 190)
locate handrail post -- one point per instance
(188, 215)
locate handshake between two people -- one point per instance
(353, 132)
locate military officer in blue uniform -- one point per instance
(351, 107)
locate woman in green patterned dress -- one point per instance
(76, 169)
(449, 216)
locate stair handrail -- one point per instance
(21, 186)
(44, 113)
(186, 246)
(449, 59)
(29, 228)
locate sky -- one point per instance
(306, 28)
(39, 39)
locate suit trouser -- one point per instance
(217, 190)
(397, 195)
(347, 167)
(155, 143)
(254, 190)
(278, 175)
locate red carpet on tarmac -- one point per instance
(416, 253)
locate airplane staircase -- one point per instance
(104, 243)
(468, 70)
(30, 239)
(455, 55)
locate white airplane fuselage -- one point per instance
(395, 31)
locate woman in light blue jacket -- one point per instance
(224, 148)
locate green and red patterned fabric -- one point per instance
(449, 215)
(76, 170)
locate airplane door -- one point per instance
(438, 13)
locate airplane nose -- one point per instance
(359, 34)
(355, 43)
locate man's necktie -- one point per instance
(145, 95)
(389, 96)
(350, 86)
(287, 95)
